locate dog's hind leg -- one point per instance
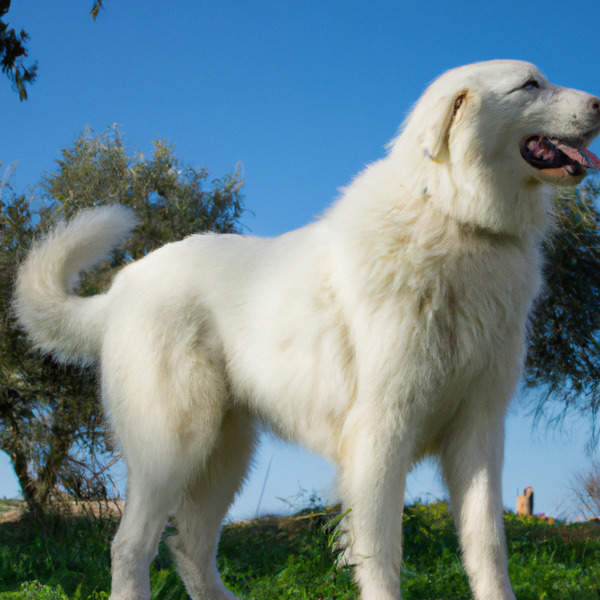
(204, 505)
(168, 426)
(159, 475)
(160, 470)
(136, 542)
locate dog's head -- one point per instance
(483, 139)
(507, 114)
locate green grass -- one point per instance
(67, 558)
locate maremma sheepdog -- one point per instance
(389, 330)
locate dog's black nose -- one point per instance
(595, 105)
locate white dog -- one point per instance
(391, 329)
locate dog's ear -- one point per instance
(442, 115)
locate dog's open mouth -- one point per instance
(556, 157)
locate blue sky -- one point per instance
(303, 94)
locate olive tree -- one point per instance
(51, 422)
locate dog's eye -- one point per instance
(532, 84)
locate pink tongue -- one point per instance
(581, 155)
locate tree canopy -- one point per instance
(563, 360)
(51, 424)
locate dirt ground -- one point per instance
(12, 510)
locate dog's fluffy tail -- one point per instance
(58, 321)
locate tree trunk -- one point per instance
(28, 485)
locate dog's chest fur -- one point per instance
(454, 295)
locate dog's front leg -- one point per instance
(374, 462)
(471, 461)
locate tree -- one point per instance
(13, 50)
(586, 491)
(563, 361)
(37, 426)
(51, 424)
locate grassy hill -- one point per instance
(67, 558)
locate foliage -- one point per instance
(291, 557)
(13, 50)
(56, 549)
(563, 360)
(98, 4)
(51, 424)
(168, 196)
(553, 561)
